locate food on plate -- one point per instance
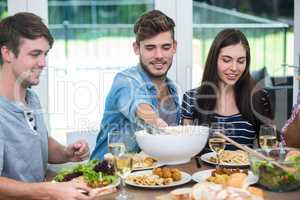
(181, 194)
(275, 178)
(96, 193)
(166, 172)
(141, 160)
(228, 176)
(237, 180)
(292, 155)
(212, 191)
(94, 173)
(159, 176)
(229, 171)
(237, 157)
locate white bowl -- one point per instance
(177, 148)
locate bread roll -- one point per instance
(164, 197)
(205, 191)
(212, 191)
(238, 180)
(181, 194)
(256, 192)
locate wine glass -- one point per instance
(216, 143)
(120, 146)
(115, 143)
(267, 137)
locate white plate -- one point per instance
(156, 164)
(201, 176)
(115, 184)
(185, 178)
(205, 158)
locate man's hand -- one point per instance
(67, 191)
(78, 151)
(161, 123)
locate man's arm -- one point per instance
(58, 153)
(132, 99)
(145, 111)
(16, 190)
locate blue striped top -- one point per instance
(236, 127)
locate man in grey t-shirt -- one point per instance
(25, 147)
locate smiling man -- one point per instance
(143, 91)
(25, 147)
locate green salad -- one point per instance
(275, 178)
(95, 173)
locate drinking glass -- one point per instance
(267, 137)
(216, 143)
(115, 143)
(119, 145)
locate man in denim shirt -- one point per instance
(143, 91)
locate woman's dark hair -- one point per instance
(208, 90)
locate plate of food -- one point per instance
(233, 177)
(236, 158)
(158, 178)
(142, 161)
(99, 175)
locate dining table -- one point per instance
(139, 193)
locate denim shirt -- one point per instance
(130, 88)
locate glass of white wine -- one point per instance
(115, 143)
(268, 137)
(119, 146)
(216, 143)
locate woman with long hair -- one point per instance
(228, 95)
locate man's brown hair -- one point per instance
(22, 25)
(151, 24)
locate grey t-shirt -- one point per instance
(23, 145)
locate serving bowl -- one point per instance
(178, 147)
(274, 178)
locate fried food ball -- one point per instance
(166, 173)
(176, 175)
(158, 172)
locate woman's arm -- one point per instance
(292, 134)
(187, 108)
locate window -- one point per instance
(270, 40)
(93, 41)
(3, 8)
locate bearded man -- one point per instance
(143, 91)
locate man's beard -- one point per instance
(153, 76)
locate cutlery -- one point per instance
(259, 155)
